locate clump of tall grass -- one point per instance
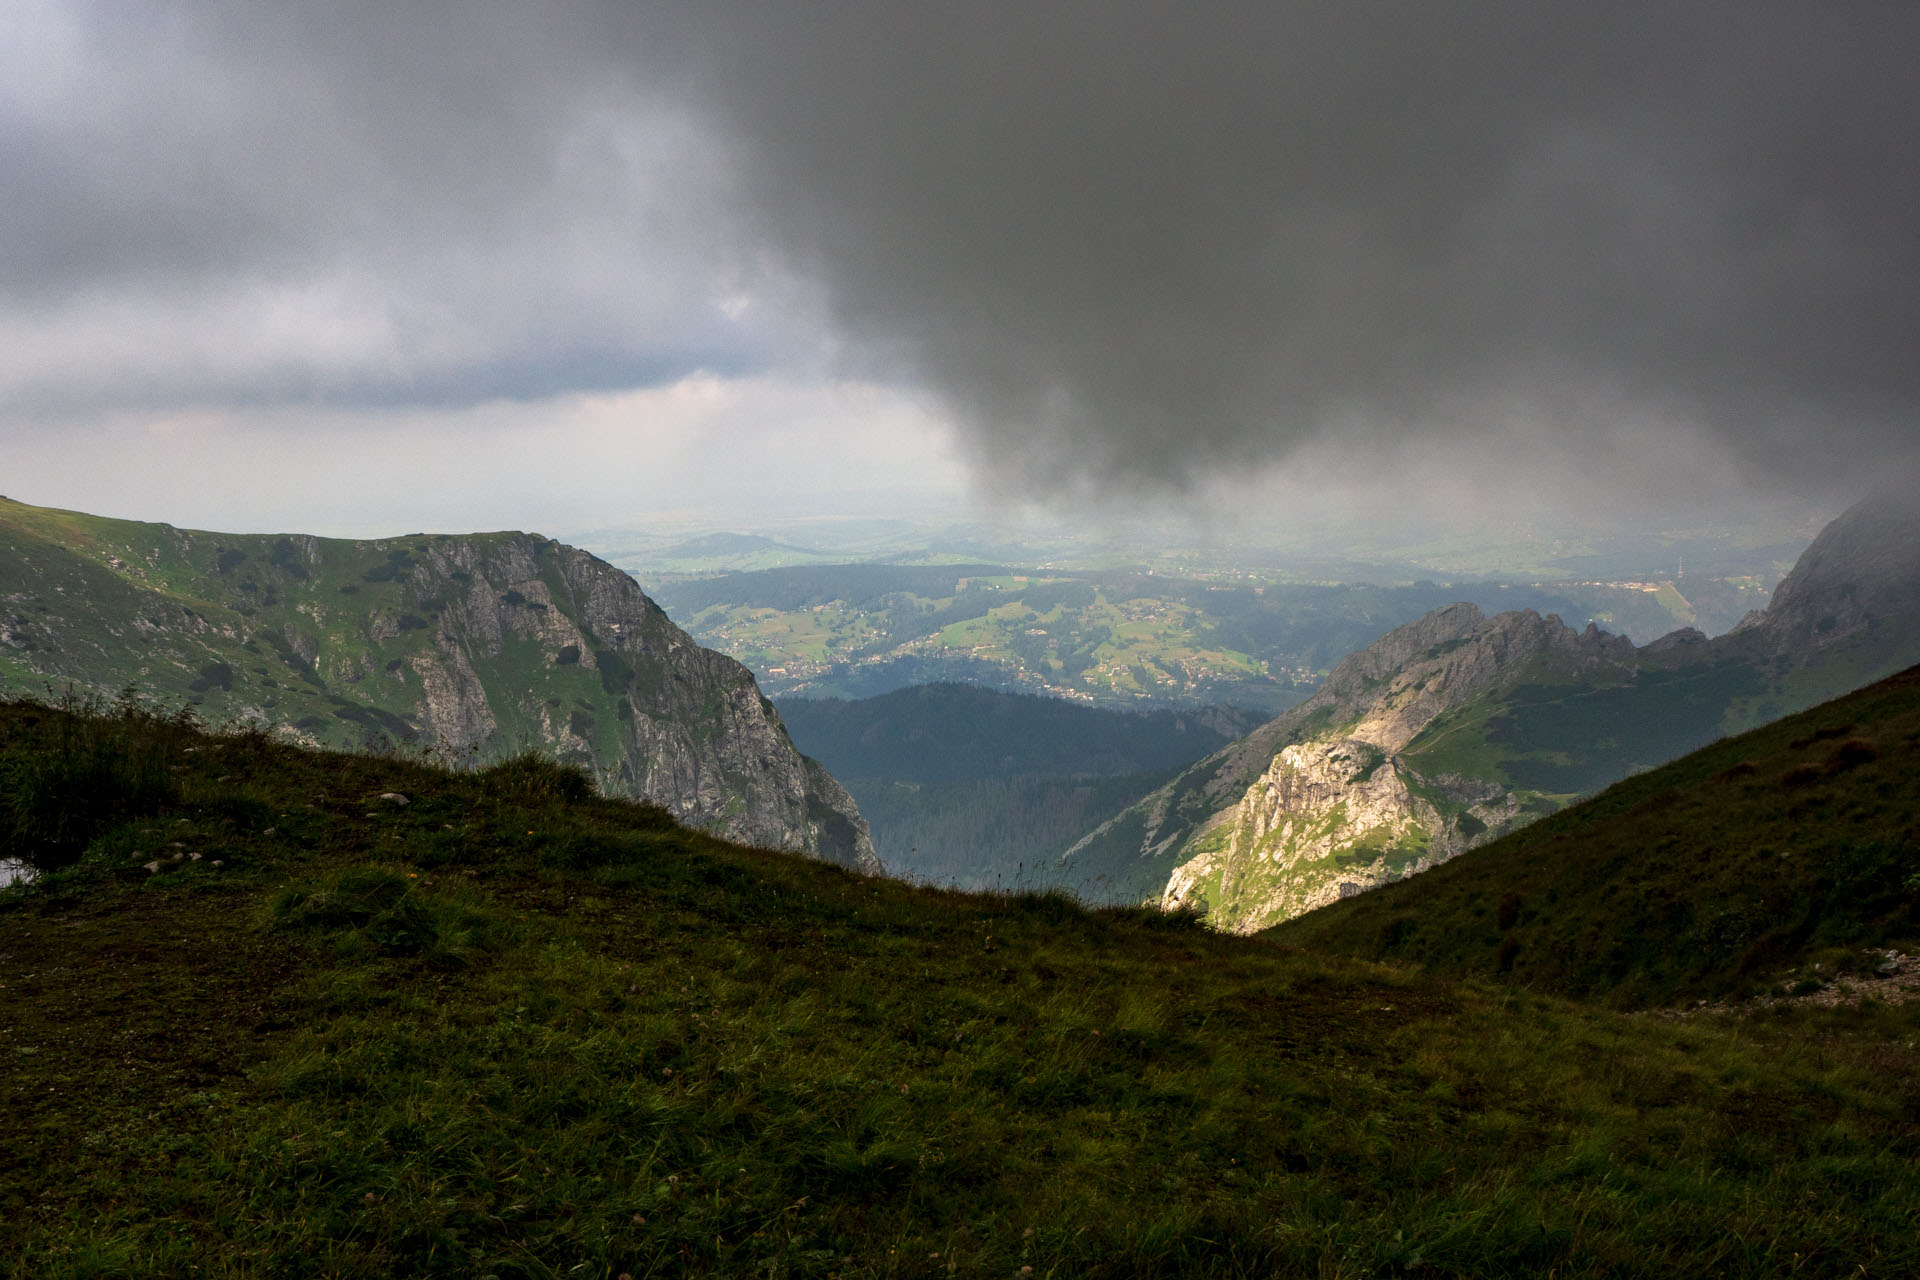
(531, 778)
(381, 910)
(82, 766)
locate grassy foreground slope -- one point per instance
(507, 1028)
(1791, 845)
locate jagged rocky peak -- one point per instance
(1331, 817)
(1476, 725)
(1397, 685)
(693, 731)
(1339, 812)
(1216, 832)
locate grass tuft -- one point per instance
(86, 766)
(530, 777)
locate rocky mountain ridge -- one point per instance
(1458, 727)
(467, 646)
(1337, 807)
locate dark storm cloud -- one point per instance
(1128, 243)
(1150, 239)
(357, 203)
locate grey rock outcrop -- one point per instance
(1339, 812)
(688, 729)
(1860, 576)
(1294, 789)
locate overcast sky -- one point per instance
(363, 267)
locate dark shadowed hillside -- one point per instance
(955, 733)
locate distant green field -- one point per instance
(1123, 639)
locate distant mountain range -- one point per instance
(731, 552)
(1457, 727)
(1123, 639)
(475, 646)
(1445, 732)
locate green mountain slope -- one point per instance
(980, 789)
(474, 645)
(1790, 845)
(506, 1028)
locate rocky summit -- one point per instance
(1341, 806)
(470, 647)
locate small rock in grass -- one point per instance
(395, 798)
(153, 868)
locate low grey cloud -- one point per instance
(1129, 245)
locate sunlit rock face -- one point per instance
(1340, 813)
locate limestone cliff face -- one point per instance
(690, 729)
(472, 646)
(1330, 818)
(1338, 813)
(1321, 801)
